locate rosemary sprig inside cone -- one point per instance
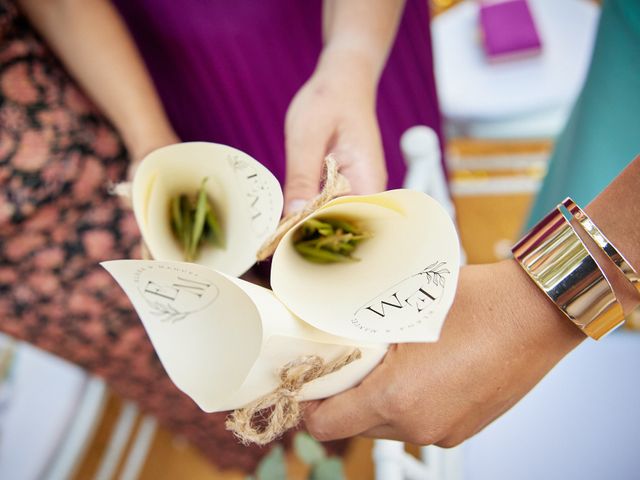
(328, 240)
(194, 222)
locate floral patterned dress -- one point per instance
(57, 222)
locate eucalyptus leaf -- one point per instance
(327, 469)
(272, 466)
(308, 449)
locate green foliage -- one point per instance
(328, 240)
(308, 449)
(272, 466)
(194, 222)
(327, 469)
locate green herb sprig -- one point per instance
(328, 240)
(194, 222)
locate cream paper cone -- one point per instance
(401, 288)
(222, 340)
(247, 199)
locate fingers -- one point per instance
(305, 150)
(359, 153)
(365, 177)
(344, 415)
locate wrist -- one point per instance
(534, 315)
(142, 142)
(351, 63)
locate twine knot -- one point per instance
(285, 410)
(334, 185)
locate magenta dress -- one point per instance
(227, 70)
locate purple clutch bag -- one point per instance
(508, 30)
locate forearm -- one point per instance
(92, 41)
(360, 31)
(616, 211)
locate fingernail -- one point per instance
(295, 206)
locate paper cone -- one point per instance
(222, 340)
(247, 199)
(401, 288)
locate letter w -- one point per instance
(382, 313)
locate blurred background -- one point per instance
(501, 119)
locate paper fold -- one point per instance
(222, 340)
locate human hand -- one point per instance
(334, 112)
(500, 338)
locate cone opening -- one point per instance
(329, 239)
(294, 277)
(246, 196)
(163, 240)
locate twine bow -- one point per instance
(334, 185)
(285, 407)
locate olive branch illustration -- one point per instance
(436, 273)
(236, 163)
(167, 313)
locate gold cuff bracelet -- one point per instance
(607, 247)
(557, 260)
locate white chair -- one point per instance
(526, 98)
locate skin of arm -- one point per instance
(501, 337)
(95, 46)
(335, 110)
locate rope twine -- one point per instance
(334, 185)
(285, 408)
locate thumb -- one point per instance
(305, 150)
(344, 415)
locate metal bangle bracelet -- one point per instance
(607, 247)
(557, 260)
